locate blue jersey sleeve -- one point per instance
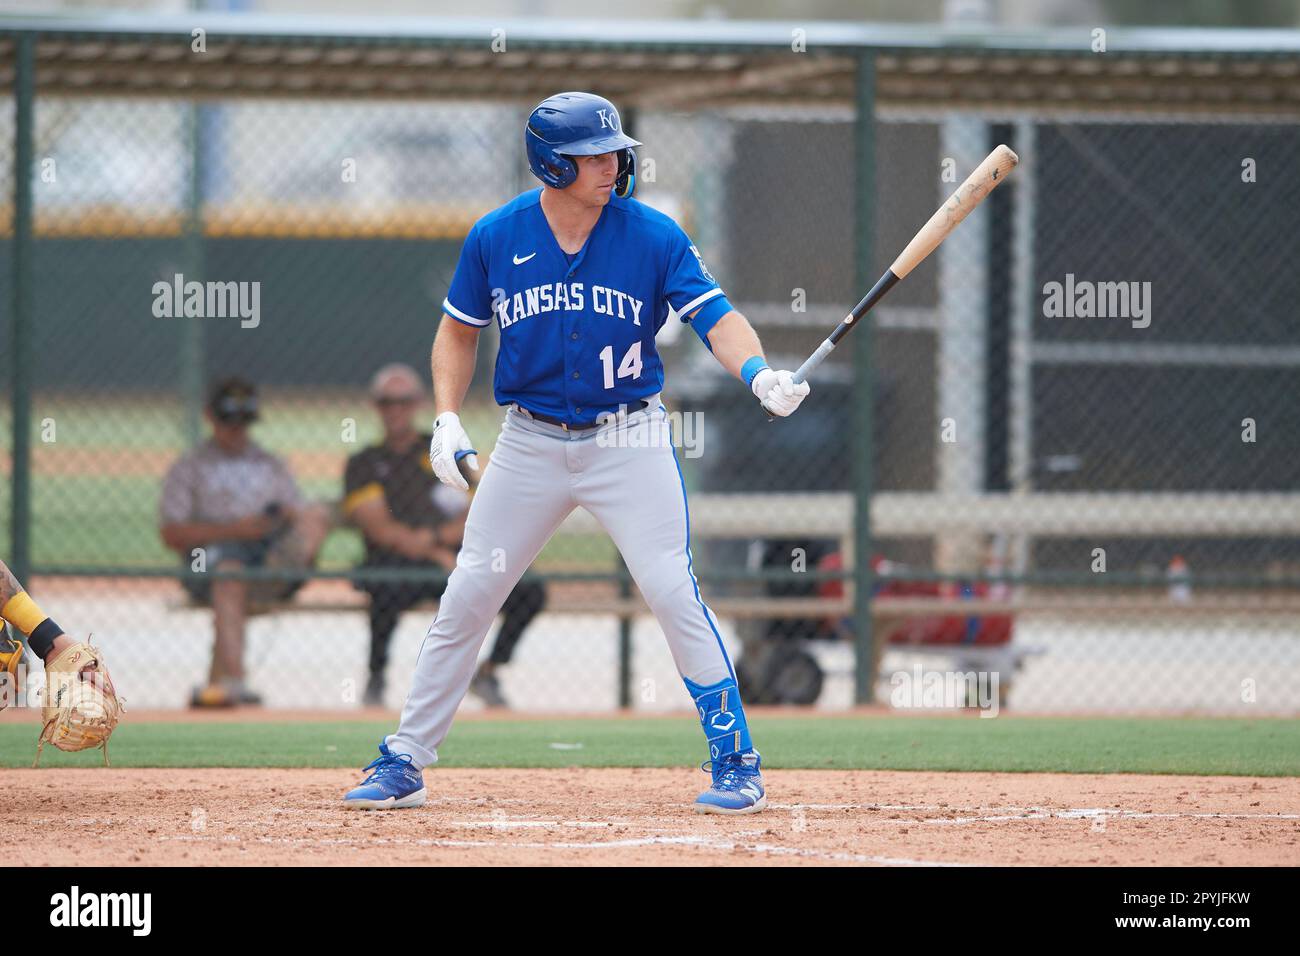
(469, 300)
(692, 292)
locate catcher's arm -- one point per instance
(18, 608)
(9, 585)
(80, 708)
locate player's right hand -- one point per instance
(449, 445)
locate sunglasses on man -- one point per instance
(235, 411)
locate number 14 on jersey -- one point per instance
(630, 367)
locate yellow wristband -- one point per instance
(21, 611)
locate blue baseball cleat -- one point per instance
(392, 785)
(737, 785)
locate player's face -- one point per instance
(595, 182)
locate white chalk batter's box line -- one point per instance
(1011, 814)
(1007, 814)
(992, 814)
(704, 843)
(1016, 813)
(689, 842)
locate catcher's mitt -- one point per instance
(80, 706)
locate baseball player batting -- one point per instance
(578, 277)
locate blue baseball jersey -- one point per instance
(578, 332)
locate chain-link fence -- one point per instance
(1077, 428)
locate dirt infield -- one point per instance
(642, 817)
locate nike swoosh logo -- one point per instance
(520, 262)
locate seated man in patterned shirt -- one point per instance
(412, 520)
(229, 504)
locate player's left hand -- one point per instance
(449, 446)
(778, 392)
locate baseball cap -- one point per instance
(234, 400)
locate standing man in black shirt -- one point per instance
(411, 520)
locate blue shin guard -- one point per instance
(722, 716)
(734, 763)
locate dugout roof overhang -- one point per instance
(657, 64)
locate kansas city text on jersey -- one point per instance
(563, 297)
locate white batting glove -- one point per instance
(778, 391)
(449, 445)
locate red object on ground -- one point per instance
(940, 629)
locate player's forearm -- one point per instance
(18, 609)
(734, 341)
(454, 351)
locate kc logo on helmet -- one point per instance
(608, 118)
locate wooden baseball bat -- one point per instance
(987, 176)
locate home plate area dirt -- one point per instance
(624, 817)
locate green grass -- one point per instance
(1229, 746)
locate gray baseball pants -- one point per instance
(626, 475)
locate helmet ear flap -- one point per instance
(625, 184)
(564, 170)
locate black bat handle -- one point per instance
(883, 285)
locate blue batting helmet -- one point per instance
(577, 124)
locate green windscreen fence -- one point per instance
(1083, 403)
